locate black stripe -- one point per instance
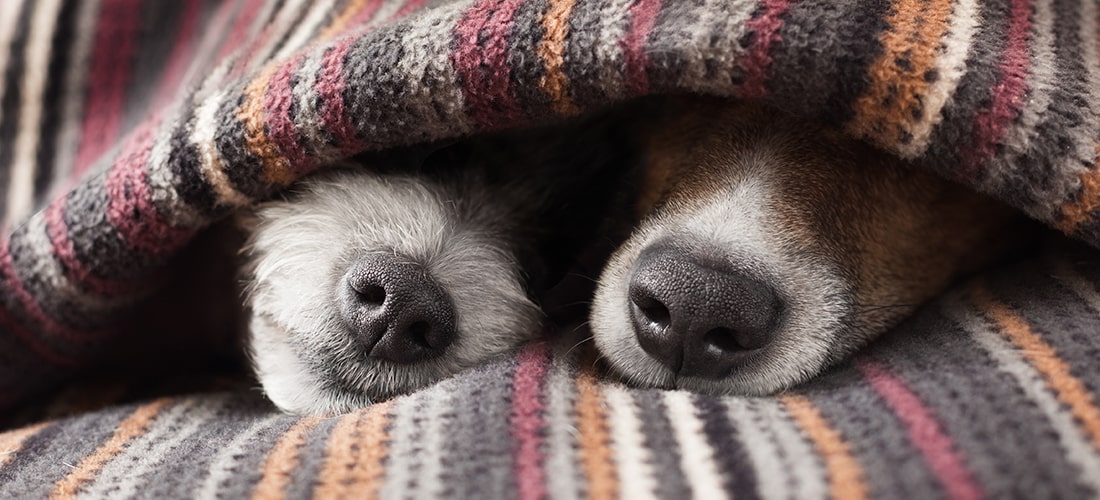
(738, 476)
(61, 55)
(9, 105)
(659, 437)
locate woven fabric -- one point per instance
(128, 126)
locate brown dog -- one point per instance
(769, 249)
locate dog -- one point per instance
(365, 283)
(769, 249)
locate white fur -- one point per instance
(739, 224)
(303, 354)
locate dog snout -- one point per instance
(696, 317)
(395, 308)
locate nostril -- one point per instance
(371, 294)
(418, 334)
(729, 341)
(654, 311)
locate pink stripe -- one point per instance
(483, 68)
(182, 51)
(13, 284)
(130, 208)
(278, 99)
(244, 21)
(757, 59)
(924, 432)
(75, 270)
(643, 17)
(527, 423)
(110, 71)
(990, 124)
(330, 88)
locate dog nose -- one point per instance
(396, 309)
(697, 318)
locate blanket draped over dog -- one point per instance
(128, 126)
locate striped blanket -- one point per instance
(127, 127)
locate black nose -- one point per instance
(397, 310)
(697, 317)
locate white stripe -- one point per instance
(1077, 446)
(72, 104)
(429, 479)
(9, 18)
(727, 30)
(404, 456)
(696, 456)
(306, 29)
(283, 23)
(120, 477)
(210, 164)
(772, 474)
(562, 474)
(950, 66)
(308, 117)
(37, 62)
(613, 21)
(225, 465)
(802, 462)
(637, 478)
(46, 268)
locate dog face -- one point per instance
(366, 284)
(769, 249)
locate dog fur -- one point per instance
(852, 240)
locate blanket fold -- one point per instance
(129, 126)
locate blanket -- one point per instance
(127, 127)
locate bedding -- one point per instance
(128, 127)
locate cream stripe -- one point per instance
(9, 18)
(613, 21)
(404, 458)
(1040, 81)
(637, 479)
(429, 480)
(306, 29)
(46, 267)
(162, 181)
(122, 476)
(1076, 444)
(225, 464)
(950, 66)
(284, 22)
(719, 37)
(562, 472)
(773, 475)
(72, 104)
(37, 61)
(808, 474)
(696, 455)
(204, 135)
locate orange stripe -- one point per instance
(552, 51)
(12, 441)
(892, 102)
(1043, 358)
(276, 471)
(845, 473)
(357, 448)
(594, 439)
(1076, 212)
(251, 114)
(342, 20)
(134, 426)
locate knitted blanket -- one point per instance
(129, 126)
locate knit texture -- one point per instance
(128, 126)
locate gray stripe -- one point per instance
(479, 443)
(225, 462)
(52, 454)
(563, 476)
(659, 437)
